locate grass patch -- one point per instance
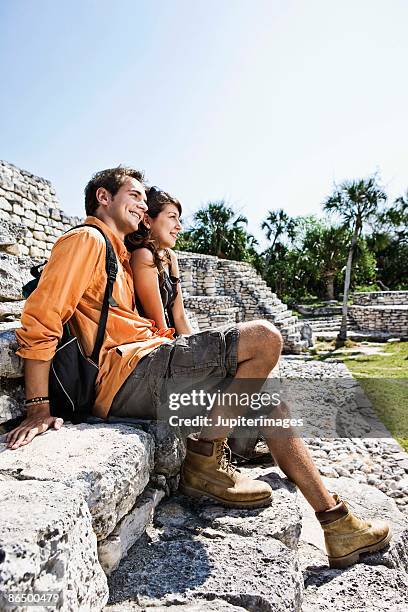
(384, 379)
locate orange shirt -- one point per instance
(71, 288)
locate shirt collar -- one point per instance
(118, 244)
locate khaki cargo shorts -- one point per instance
(202, 360)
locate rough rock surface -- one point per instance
(10, 311)
(112, 549)
(170, 448)
(11, 404)
(198, 551)
(109, 464)
(361, 588)
(11, 366)
(49, 546)
(14, 273)
(199, 605)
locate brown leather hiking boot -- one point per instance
(347, 536)
(207, 471)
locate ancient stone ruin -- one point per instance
(381, 310)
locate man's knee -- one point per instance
(268, 340)
(265, 339)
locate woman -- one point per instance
(157, 287)
(154, 265)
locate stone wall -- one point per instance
(220, 291)
(30, 201)
(391, 319)
(385, 311)
(367, 298)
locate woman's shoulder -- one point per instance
(143, 256)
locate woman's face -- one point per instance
(165, 227)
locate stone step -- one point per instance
(356, 335)
(197, 551)
(47, 544)
(109, 464)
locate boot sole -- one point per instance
(190, 492)
(354, 557)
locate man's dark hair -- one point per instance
(112, 180)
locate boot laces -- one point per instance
(224, 456)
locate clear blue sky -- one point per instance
(262, 102)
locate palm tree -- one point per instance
(356, 202)
(324, 252)
(277, 225)
(218, 230)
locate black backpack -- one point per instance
(73, 374)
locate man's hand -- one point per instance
(32, 426)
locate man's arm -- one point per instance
(38, 417)
(71, 267)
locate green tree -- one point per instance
(324, 253)
(218, 230)
(278, 226)
(279, 260)
(356, 202)
(389, 242)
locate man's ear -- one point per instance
(146, 221)
(103, 196)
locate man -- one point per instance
(137, 361)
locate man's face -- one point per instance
(127, 208)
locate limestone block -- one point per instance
(109, 464)
(10, 408)
(55, 214)
(29, 214)
(35, 251)
(13, 249)
(11, 310)
(49, 545)
(4, 215)
(38, 227)
(43, 210)
(282, 520)
(358, 588)
(11, 366)
(197, 550)
(5, 204)
(40, 236)
(170, 448)
(112, 549)
(7, 237)
(28, 222)
(18, 210)
(11, 277)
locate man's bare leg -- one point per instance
(294, 459)
(259, 349)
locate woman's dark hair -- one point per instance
(156, 201)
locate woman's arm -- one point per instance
(180, 319)
(146, 284)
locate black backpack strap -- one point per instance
(111, 271)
